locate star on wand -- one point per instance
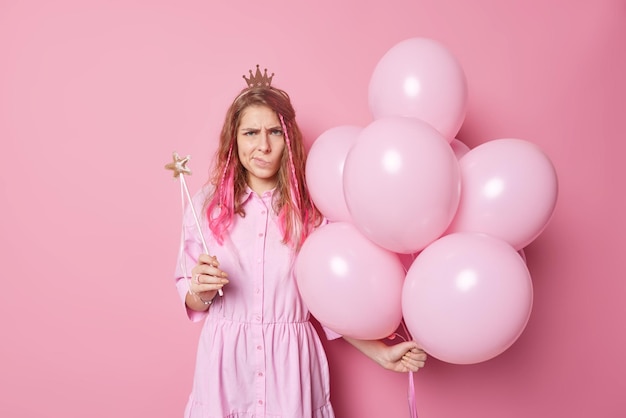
(179, 167)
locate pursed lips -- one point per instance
(261, 162)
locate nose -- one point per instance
(264, 142)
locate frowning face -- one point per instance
(261, 142)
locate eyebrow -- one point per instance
(251, 129)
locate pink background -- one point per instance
(95, 96)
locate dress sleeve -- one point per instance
(189, 252)
(330, 334)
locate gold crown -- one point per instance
(258, 79)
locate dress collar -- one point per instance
(249, 192)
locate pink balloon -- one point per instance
(401, 183)
(324, 170)
(459, 148)
(467, 298)
(351, 285)
(509, 190)
(420, 78)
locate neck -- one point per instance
(260, 187)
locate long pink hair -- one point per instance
(297, 215)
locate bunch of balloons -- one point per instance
(404, 186)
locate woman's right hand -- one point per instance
(207, 279)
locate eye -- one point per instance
(249, 133)
(278, 132)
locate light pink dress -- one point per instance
(258, 354)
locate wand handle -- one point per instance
(195, 217)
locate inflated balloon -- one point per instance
(324, 170)
(459, 148)
(401, 183)
(509, 190)
(467, 298)
(349, 284)
(420, 78)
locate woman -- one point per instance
(258, 354)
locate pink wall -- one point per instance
(94, 97)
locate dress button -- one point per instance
(260, 374)
(262, 212)
(260, 234)
(260, 402)
(258, 347)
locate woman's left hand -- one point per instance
(404, 357)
